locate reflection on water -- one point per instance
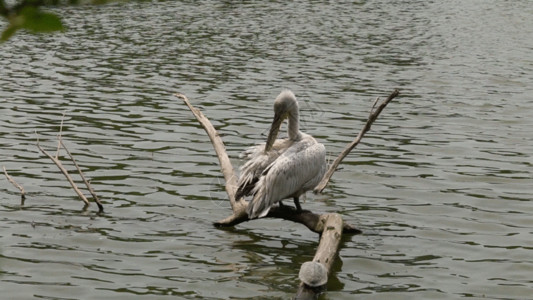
(440, 186)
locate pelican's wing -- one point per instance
(290, 174)
(257, 162)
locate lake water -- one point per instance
(441, 186)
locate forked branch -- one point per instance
(330, 226)
(307, 218)
(87, 184)
(63, 170)
(239, 205)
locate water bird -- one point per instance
(281, 168)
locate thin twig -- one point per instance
(374, 113)
(59, 137)
(65, 172)
(18, 186)
(374, 105)
(89, 187)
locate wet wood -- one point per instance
(57, 162)
(15, 184)
(65, 172)
(305, 217)
(331, 233)
(374, 113)
(87, 183)
(225, 164)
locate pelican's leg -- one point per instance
(297, 203)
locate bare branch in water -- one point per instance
(87, 184)
(15, 184)
(65, 172)
(374, 113)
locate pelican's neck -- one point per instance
(294, 124)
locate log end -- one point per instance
(313, 274)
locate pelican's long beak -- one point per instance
(274, 130)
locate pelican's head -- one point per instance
(285, 105)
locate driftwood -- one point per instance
(15, 184)
(374, 113)
(65, 172)
(329, 226)
(87, 184)
(305, 217)
(57, 162)
(225, 164)
(332, 228)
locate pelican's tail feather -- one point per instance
(258, 207)
(245, 185)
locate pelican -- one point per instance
(281, 168)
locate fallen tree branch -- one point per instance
(374, 113)
(87, 184)
(15, 184)
(225, 164)
(312, 280)
(312, 221)
(65, 172)
(59, 135)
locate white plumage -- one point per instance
(281, 168)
